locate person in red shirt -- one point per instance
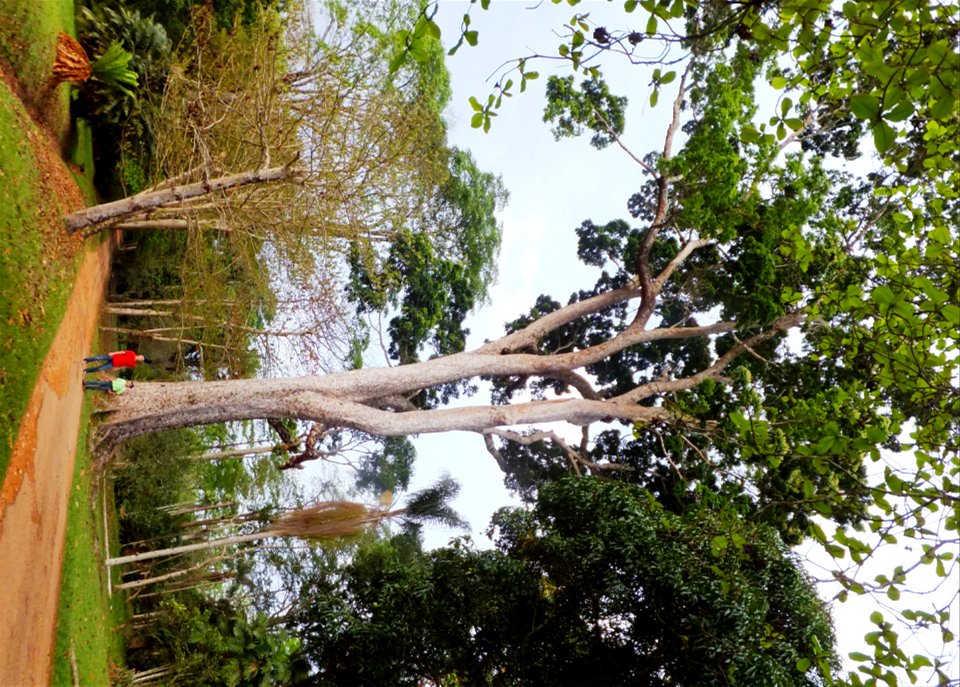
(112, 361)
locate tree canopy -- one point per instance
(768, 331)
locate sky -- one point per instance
(553, 185)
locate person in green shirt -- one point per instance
(111, 386)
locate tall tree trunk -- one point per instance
(188, 548)
(358, 398)
(171, 575)
(149, 200)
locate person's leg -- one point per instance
(96, 357)
(97, 385)
(103, 366)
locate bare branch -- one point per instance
(493, 451)
(678, 259)
(656, 388)
(573, 458)
(675, 120)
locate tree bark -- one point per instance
(188, 548)
(352, 398)
(365, 399)
(149, 200)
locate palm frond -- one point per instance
(431, 504)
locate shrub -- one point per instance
(155, 471)
(118, 106)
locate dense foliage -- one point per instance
(596, 585)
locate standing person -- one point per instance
(111, 386)
(114, 360)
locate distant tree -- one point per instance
(281, 150)
(213, 642)
(596, 585)
(327, 521)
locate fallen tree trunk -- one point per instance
(150, 200)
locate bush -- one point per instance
(155, 471)
(119, 110)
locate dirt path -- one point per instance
(34, 496)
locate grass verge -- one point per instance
(88, 616)
(38, 262)
(28, 44)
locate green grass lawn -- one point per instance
(28, 44)
(37, 269)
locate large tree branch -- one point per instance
(678, 260)
(650, 287)
(529, 336)
(154, 406)
(317, 406)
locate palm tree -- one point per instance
(328, 520)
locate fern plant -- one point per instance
(111, 69)
(132, 64)
(120, 100)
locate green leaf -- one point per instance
(477, 120)
(470, 37)
(475, 104)
(749, 134)
(630, 5)
(944, 107)
(900, 112)
(397, 61)
(864, 106)
(803, 665)
(654, 97)
(883, 136)
(876, 618)
(883, 295)
(778, 82)
(651, 25)
(857, 656)
(668, 77)
(951, 313)
(718, 546)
